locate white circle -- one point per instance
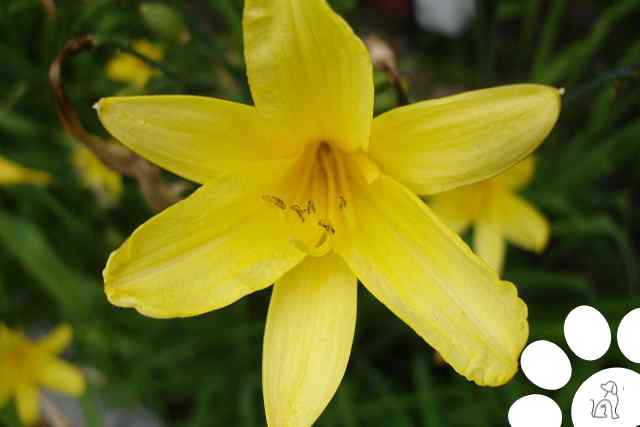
(608, 398)
(629, 334)
(546, 365)
(587, 333)
(535, 410)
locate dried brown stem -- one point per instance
(50, 7)
(156, 191)
(383, 57)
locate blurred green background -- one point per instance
(205, 371)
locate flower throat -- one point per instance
(316, 198)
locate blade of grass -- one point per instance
(551, 27)
(26, 242)
(427, 397)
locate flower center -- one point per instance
(316, 198)
(20, 362)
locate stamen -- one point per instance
(297, 209)
(311, 208)
(275, 200)
(326, 160)
(342, 203)
(322, 241)
(307, 166)
(318, 201)
(327, 226)
(316, 190)
(345, 190)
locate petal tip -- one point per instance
(124, 300)
(556, 98)
(80, 387)
(66, 332)
(113, 283)
(101, 105)
(540, 247)
(504, 370)
(104, 105)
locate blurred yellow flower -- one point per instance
(308, 191)
(12, 173)
(102, 181)
(126, 68)
(27, 365)
(497, 213)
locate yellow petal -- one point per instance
(518, 176)
(457, 208)
(57, 340)
(219, 244)
(127, 68)
(28, 404)
(58, 375)
(308, 72)
(430, 279)
(13, 173)
(437, 145)
(523, 224)
(104, 182)
(149, 50)
(489, 239)
(10, 339)
(5, 334)
(308, 337)
(194, 137)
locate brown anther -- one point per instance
(275, 200)
(342, 203)
(328, 227)
(297, 209)
(311, 208)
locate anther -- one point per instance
(311, 208)
(275, 200)
(342, 203)
(328, 227)
(297, 209)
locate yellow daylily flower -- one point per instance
(26, 366)
(102, 181)
(126, 68)
(497, 214)
(306, 190)
(12, 173)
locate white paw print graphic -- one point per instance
(609, 398)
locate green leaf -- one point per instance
(27, 244)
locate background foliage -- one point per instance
(205, 371)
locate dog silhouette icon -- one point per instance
(607, 407)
